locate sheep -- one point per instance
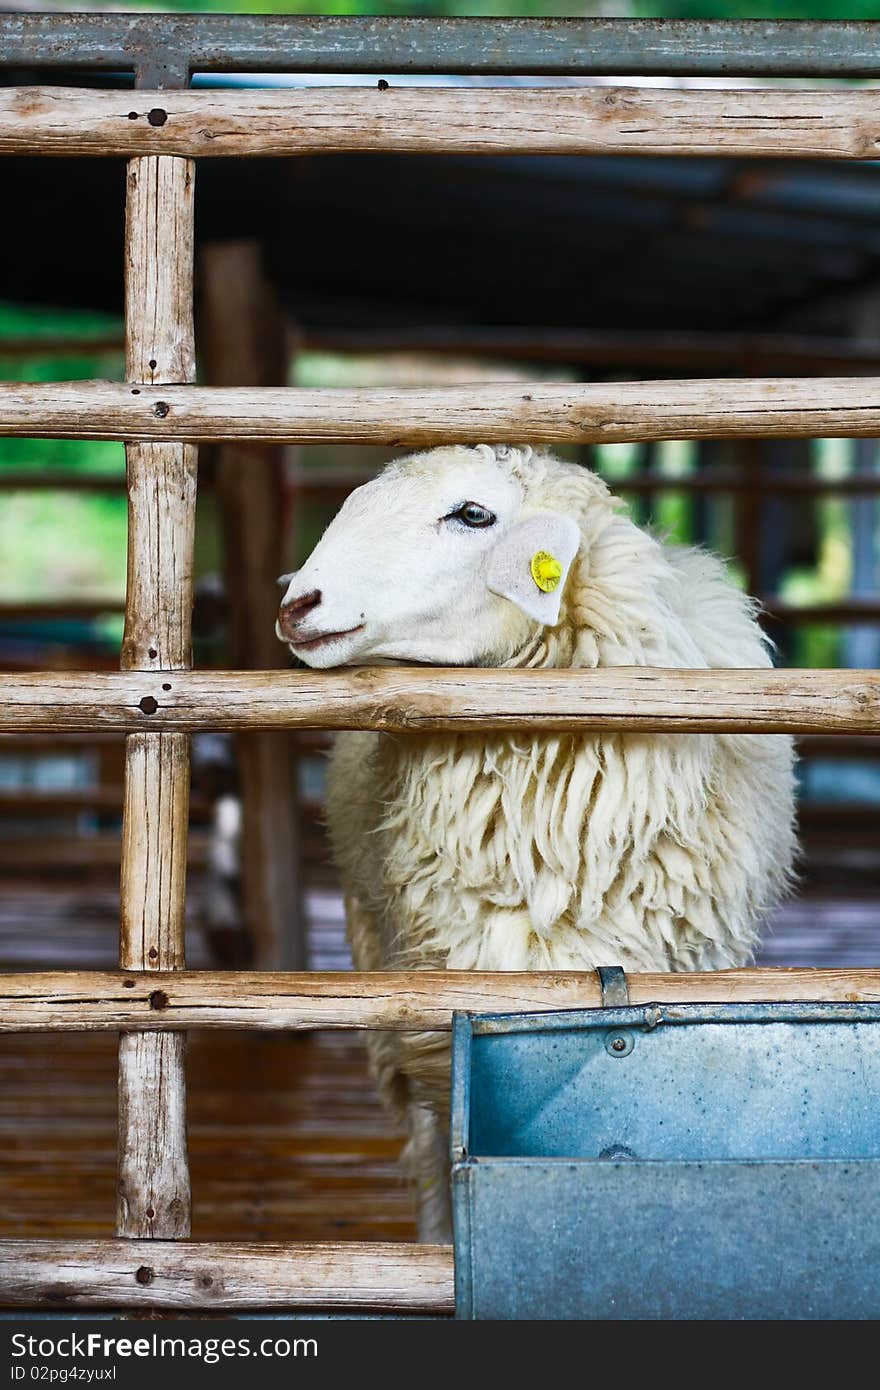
(521, 851)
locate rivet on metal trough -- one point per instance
(618, 1044)
(612, 982)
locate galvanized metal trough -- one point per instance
(694, 1161)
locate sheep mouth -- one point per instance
(321, 639)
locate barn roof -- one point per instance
(401, 241)
(356, 240)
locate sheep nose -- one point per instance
(291, 613)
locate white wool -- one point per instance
(523, 851)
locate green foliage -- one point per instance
(755, 9)
(60, 542)
(63, 544)
(18, 320)
(89, 455)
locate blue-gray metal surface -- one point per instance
(612, 982)
(668, 1162)
(176, 43)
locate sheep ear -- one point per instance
(531, 564)
(284, 579)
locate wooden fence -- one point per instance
(158, 701)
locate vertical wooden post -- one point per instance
(153, 1178)
(643, 504)
(861, 644)
(708, 454)
(748, 512)
(242, 333)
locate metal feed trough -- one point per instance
(689, 1161)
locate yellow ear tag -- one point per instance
(546, 571)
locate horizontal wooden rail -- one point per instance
(62, 610)
(849, 612)
(811, 124)
(453, 699)
(51, 743)
(61, 480)
(29, 801)
(752, 354)
(852, 485)
(819, 746)
(79, 1001)
(45, 345)
(854, 816)
(50, 854)
(769, 354)
(541, 412)
(332, 484)
(191, 1274)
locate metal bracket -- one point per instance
(612, 982)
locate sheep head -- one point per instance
(444, 558)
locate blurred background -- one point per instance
(369, 270)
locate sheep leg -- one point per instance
(423, 1058)
(401, 1065)
(427, 1158)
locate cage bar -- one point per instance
(83, 1001)
(543, 412)
(437, 120)
(154, 1185)
(439, 699)
(174, 45)
(348, 1275)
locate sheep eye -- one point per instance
(472, 514)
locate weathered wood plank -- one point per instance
(154, 849)
(542, 412)
(49, 345)
(154, 1186)
(161, 530)
(419, 698)
(849, 611)
(37, 801)
(61, 480)
(61, 610)
(183, 1274)
(813, 124)
(25, 802)
(153, 1193)
(75, 1001)
(159, 237)
(754, 354)
(331, 484)
(50, 855)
